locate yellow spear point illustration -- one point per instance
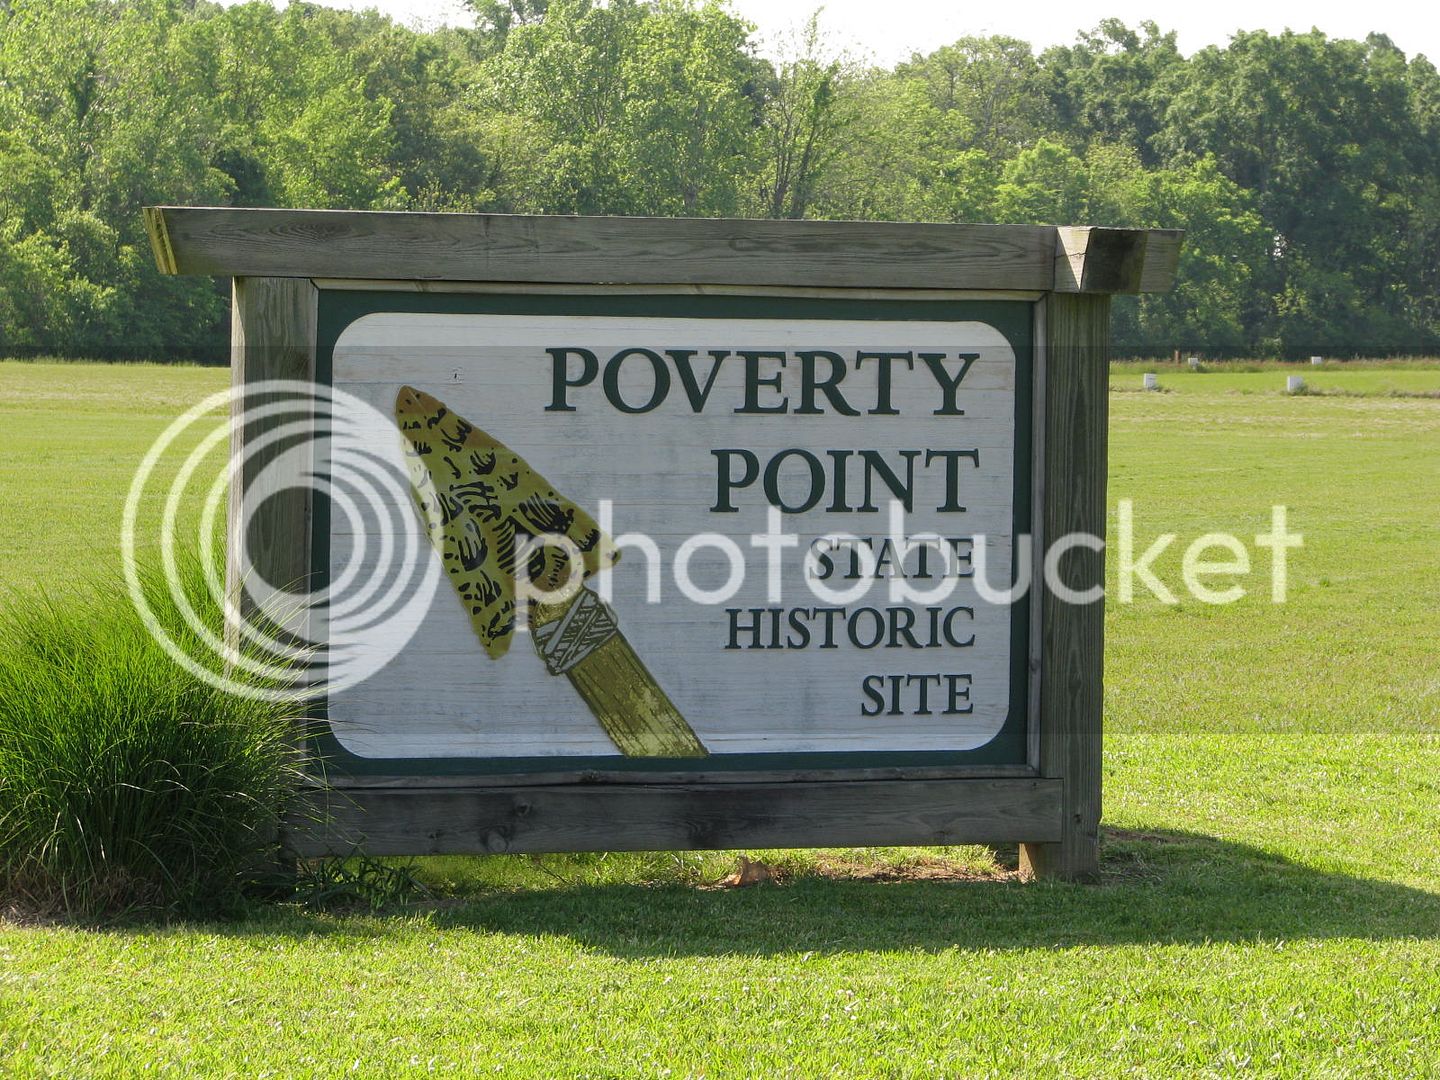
(481, 502)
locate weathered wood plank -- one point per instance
(619, 250)
(1077, 332)
(159, 240)
(718, 776)
(552, 288)
(1162, 260)
(272, 337)
(1095, 260)
(664, 818)
(495, 247)
(359, 245)
(1037, 532)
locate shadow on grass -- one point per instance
(1157, 888)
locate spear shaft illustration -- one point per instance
(481, 502)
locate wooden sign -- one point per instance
(795, 479)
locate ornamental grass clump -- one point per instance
(126, 782)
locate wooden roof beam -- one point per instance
(372, 245)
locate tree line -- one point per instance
(1305, 170)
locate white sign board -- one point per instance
(803, 510)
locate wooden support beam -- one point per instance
(1077, 337)
(272, 337)
(592, 817)
(1098, 260)
(1162, 260)
(159, 240)
(499, 247)
(366, 245)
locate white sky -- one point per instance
(889, 30)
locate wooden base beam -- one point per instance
(632, 817)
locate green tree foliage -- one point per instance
(808, 109)
(1113, 84)
(563, 78)
(496, 18)
(626, 108)
(1323, 134)
(994, 86)
(692, 97)
(1305, 170)
(1225, 245)
(1044, 183)
(98, 119)
(883, 155)
(291, 109)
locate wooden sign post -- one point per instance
(794, 468)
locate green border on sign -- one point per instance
(338, 308)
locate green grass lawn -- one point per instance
(1397, 378)
(71, 436)
(1271, 892)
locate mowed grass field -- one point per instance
(1271, 892)
(1418, 378)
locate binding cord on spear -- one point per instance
(481, 502)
